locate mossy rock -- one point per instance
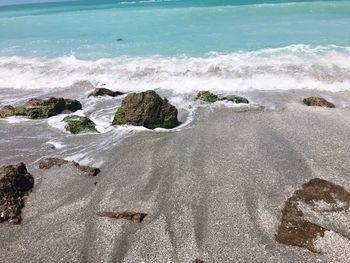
(319, 102)
(78, 124)
(105, 92)
(236, 99)
(146, 109)
(72, 105)
(7, 111)
(207, 96)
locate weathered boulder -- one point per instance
(78, 124)
(7, 111)
(209, 97)
(105, 92)
(146, 109)
(319, 102)
(321, 197)
(47, 163)
(40, 108)
(15, 183)
(132, 216)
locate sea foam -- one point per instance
(292, 67)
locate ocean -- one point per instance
(178, 45)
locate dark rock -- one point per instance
(197, 260)
(319, 102)
(15, 183)
(294, 228)
(146, 109)
(72, 105)
(105, 92)
(207, 96)
(39, 108)
(50, 162)
(119, 39)
(132, 216)
(78, 124)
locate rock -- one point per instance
(72, 105)
(132, 216)
(295, 229)
(146, 109)
(39, 108)
(78, 124)
(50, 162)
(319, 102)
(105, 92)
(236, 99)
(197, 260)
(15, 183)
(7, 111)
(207, 96)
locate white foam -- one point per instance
(292, 67)
(15, 119)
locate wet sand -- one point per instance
(213, 190)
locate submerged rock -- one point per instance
(132, 216)
(321, 197)
(48, 163)
(319, 102)
(146, 109)
(78, 124)
(105, 92)
(15, 183)
(40, 108)
(207, 96)
(236, 99)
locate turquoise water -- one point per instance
(90, 29)
(178, 45)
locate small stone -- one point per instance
(319, 102)
(132, 216)
(105, 92)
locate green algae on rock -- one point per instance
(41, 109)
(318, 101)
(209, 97)
(236, 99)
(78, 124)
(295, 229)
(104, 92)
(15, 183)
(146, 109)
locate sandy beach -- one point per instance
(213, 190)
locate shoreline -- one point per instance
(213, 191)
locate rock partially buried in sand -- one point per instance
(40, 109)
(197, 260)
(146, 109)
(15, 183)
(47, 163)
(321, 197)
(132, 216)
(79, 124)
(209, 97)
(104, 92)
(319, 102)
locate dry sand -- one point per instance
(213, 191)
